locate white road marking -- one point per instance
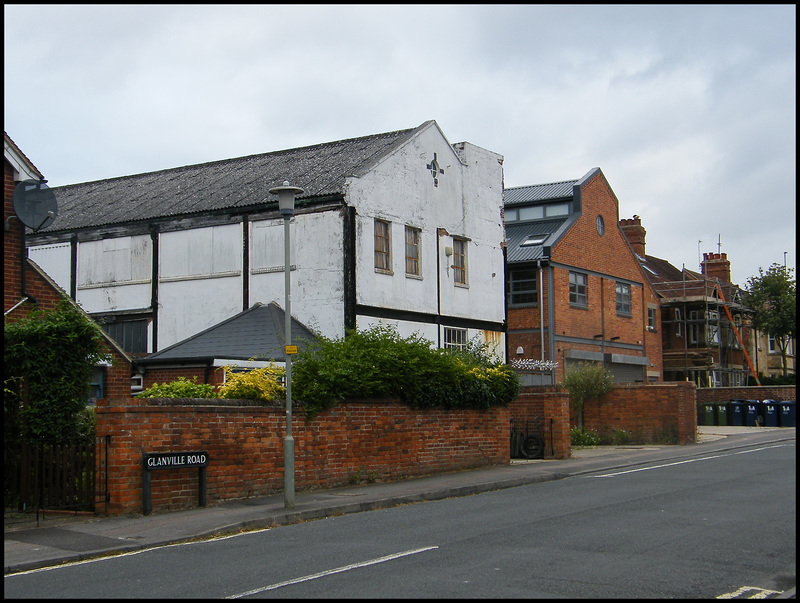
(332, 571)
(705, 458)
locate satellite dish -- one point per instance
(35, 204)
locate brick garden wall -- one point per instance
(544, 411)
(351, 443)
(654, 413)
(767, 392)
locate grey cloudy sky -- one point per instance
(690, 111)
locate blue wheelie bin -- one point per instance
(786, 412)
(752, 413)
(736, 413)
(770, 411)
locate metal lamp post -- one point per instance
(286, 195)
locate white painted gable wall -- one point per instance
(201, 269)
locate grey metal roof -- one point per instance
(517, 234)
(255, 334)
(539, 192)
(232, 184)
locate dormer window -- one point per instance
(537, 212)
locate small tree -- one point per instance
(588, 381)
(48, 358)
(773, 298)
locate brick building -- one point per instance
(705, 327)
(575, 290)
(26, 285)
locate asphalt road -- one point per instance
(722, 524)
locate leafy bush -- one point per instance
(617, 437)
(48, 358)
(86, 424)
(378, 363)
(776, 380)
(257, 384)
(583, 437)
(180, 389)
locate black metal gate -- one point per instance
(44, 475)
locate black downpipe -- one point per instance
(22, 268)
(154, 285)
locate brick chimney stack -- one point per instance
(635, 233)
(717, 265)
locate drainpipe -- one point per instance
(541, 305)
(25, 293)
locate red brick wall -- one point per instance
(12, 243)
(657, 413)
(767, 392)
(544, 411)
(355, 441)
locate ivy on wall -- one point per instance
(48, 360)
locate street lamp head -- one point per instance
(286, 195)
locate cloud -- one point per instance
(690, 111)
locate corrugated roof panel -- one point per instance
(518, 234)
(539, 192)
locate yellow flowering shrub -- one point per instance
(256, 384)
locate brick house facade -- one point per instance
(575, 290)
(705, 327)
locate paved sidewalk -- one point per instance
(59, 538)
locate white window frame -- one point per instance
(454, 338)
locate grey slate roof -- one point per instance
(255, 334)
(232, 184)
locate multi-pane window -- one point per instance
(460, 261)
(522, 287)
(455, 339)
(412, 251)
(678, 323)
(577, 289)
(383, 258)
(623, 299)
(651, 318)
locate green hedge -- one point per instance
(378, 363)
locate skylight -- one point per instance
(534, 240)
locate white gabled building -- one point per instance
(400, 228)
